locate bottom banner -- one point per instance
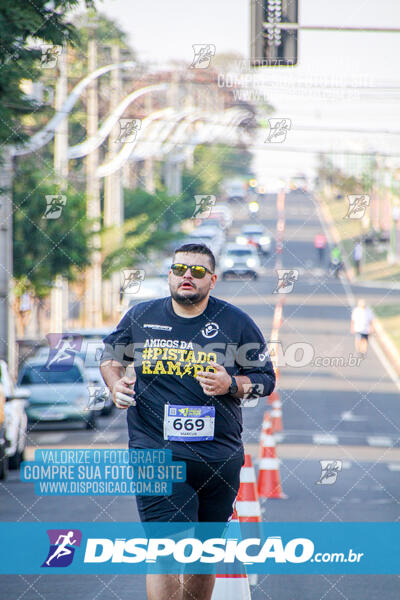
(100, 548)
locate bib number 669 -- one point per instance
(188, 424)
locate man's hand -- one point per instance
(214, 384)
(122, 393)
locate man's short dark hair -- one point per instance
(198, 249)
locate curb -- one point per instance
(386, 344)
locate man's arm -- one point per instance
(120, 385)
(114, 360)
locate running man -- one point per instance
(182, 349)
(320, 245)
(62, 549)
(357, 256)
(361, 325)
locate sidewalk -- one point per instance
(387, 315)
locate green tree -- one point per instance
(45, 247)
(24, 27)
(213, 164)
(152, 221)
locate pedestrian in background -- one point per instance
(320, 245)
(357, 256)
(361, 326)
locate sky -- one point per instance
(315, 95)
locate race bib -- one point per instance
(188, 423)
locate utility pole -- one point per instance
(149, 162)
(59, 292)
(113, 206)
(113, 193)
(7, 331)
(93, 292)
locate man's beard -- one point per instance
(186, 300)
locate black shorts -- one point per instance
(362, 336)
(207, 495)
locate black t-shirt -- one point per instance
(167, 350)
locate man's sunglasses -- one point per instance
(198, 271)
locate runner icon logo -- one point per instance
(63, 348)
(203, 54)
(358, 204)
(131, 280)
(204, 204)
(329, 471)
(286, 280)
(62, 547)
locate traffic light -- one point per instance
(270, 45)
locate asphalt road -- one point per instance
(347, 413)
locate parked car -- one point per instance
(150, 288)
(89, 347)
(257, 236)
(57, 392)
(209, 222)
(223, 213)
(240, 260)
(210, 236)
(235, 189)
(15, 423)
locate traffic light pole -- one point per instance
(296, 26)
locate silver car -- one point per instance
(240, 260)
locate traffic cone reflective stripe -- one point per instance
(267, 446)
(249, 509)
(231, 587)
(247, 503)
(274, 396)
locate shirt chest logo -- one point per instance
(210, 330)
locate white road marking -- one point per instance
(324, 438)
(347, 415)
(106, 436)
(394, 466)
(379, 440)
(51, 438)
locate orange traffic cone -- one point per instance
(247, 503)
(232, 585)
(269, 483)
(267, 440)
(276, 415)
(274, 396)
